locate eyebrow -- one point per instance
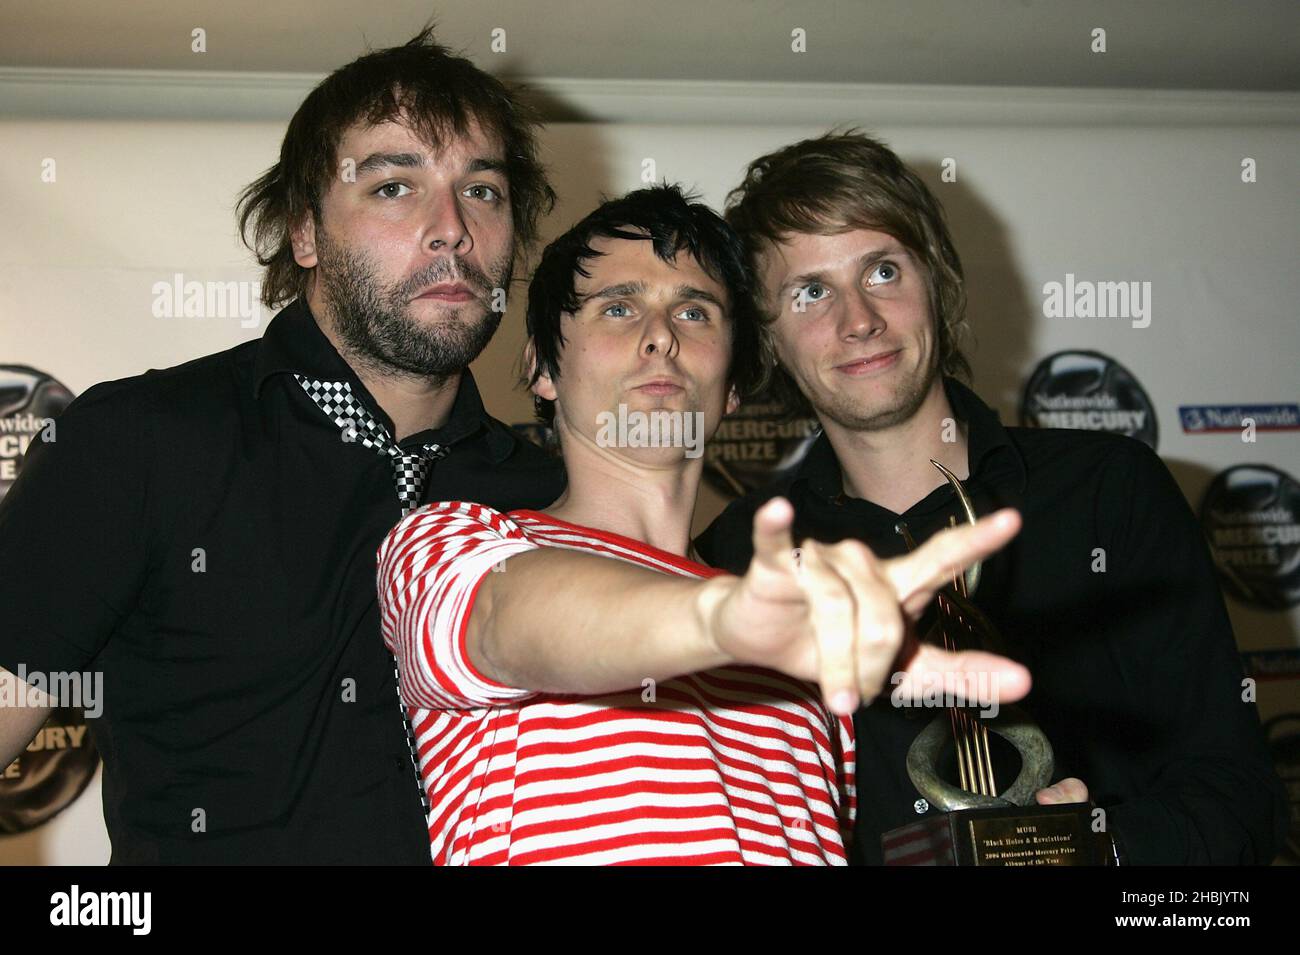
(486, 164)
(631, 289)
(377, 161)
(869, 258)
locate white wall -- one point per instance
(135, 202)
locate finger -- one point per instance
(917, 576)
(979, 678)
(880, 623)
(1067, 790)
(832, 617)
(773, 545)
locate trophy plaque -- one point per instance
(977, 823)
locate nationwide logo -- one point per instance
(30, 400)
(1283, 664)
(1208, 419)
(1088, 391)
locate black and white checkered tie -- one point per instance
(410, 471)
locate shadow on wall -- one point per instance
(1000, 314)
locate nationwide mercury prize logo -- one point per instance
(756, 445)
(30, 400)
(1251, 515)
(1088, 391)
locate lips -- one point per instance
(658, 386)
(869, 363)
(448, 292)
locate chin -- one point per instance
(866, 415)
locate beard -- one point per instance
(375, 323)
(900, 406)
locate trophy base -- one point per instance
(1014, 837)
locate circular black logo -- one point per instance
(1088, 391)
(49, 774)
(1249, 513)
(757, 445)
(29, 400)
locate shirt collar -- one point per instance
(993, 457)
(293, 343)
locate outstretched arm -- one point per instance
(566, 622)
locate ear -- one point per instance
(303, 239)
(543, 387)
(733, 400)
(772, 352)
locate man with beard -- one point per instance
(1137, 683)
(205, 535)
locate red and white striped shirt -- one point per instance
(735, 765)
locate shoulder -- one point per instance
(1125, 485)
(458, 518)
(202, 383)
(547, 529)
(1085, 454)
(524, 454)
(117, 412)
(449, 529)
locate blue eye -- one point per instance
(392, 185)
(703, 315)
(887, 271)
(609, 308)
(812, 292)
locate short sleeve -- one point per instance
(73, 531)
(430, 568)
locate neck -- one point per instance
(654, 503)
(415, 403)
(891, 466)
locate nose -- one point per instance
(860, 317)
(658, 336)
(446, 230)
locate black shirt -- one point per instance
(205, 537)
(1137, 682)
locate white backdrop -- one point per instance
(134, 203)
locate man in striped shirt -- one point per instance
(573, 708)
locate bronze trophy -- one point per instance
(977, 824)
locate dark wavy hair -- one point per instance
(675, 222)
(838, 182)
(419, 82)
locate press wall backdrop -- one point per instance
(1143, 276)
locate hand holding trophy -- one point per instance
(981, 824)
